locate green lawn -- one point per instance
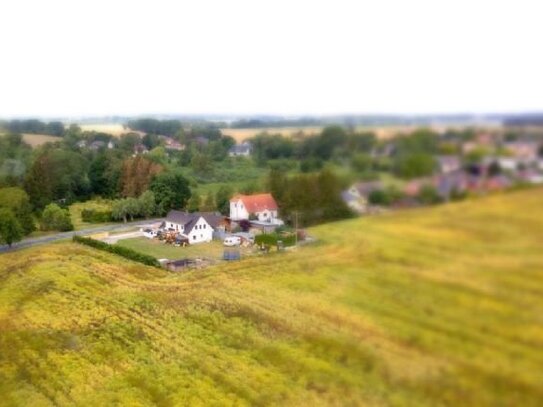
(153, 247)
(76, 208)
(429, 307)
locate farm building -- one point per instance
(356, 197)
(448, 163)
(241, 150)
(259, 207)
(193, 226)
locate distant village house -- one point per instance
(241, 150)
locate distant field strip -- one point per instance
(428, 307)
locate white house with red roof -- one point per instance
(259, 207)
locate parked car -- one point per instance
(232, 241)
(150, 233)
(246, 237)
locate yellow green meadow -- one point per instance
(440, 306)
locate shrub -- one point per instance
(428, 195)
(119, 250)
(378, 197)
(96, 216)
(272, 238)
(56, 218)
(244, 225)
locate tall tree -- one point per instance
(137, 173)
(147, 204)
(208, 204)
(18, 201)
(194, 203)
(119, 210)
(57, 174)
(10, 228)
(222, 199)
(105, 173)
(171, 191)
(133, 208)
(277, 182)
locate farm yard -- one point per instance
(160, 250)
(426, 307)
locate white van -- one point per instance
(232, 241)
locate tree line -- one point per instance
(33, 126)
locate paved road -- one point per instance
(68, 235)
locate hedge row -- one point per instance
(272, 238)
(119, 250)
(96, 216)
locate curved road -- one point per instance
(35, 241)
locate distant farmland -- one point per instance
(115, 129)
(382, 132)
(38, 139)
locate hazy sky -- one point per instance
(97, 57)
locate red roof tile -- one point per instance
(257, 203)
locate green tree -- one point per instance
(414, 165)
(201, 164)
(194, 203)
(330, 140)
(105, 173)
(18, 201)
(222, 199)
(10, 228)
(147, 204)
(57, 174)
(277, 182)
(72, 136)
(209, 204)
(133, 208)
(171, 191)
(119, 210)
(56, 218)
(361, 162)
(378, 197)
(428, 195)
(128, 141)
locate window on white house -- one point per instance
(194, 237)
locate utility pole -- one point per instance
(296, 228)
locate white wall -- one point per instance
(179, 228)
(200, 232)
(266, 215)
(238, 211)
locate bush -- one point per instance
(96, 216)
(56, 218)
(272, 238)
(378, 197)
(119, 250)
(428, 195)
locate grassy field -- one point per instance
(76, 208)
(38, 139)
(429, 307)
(153, 247)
